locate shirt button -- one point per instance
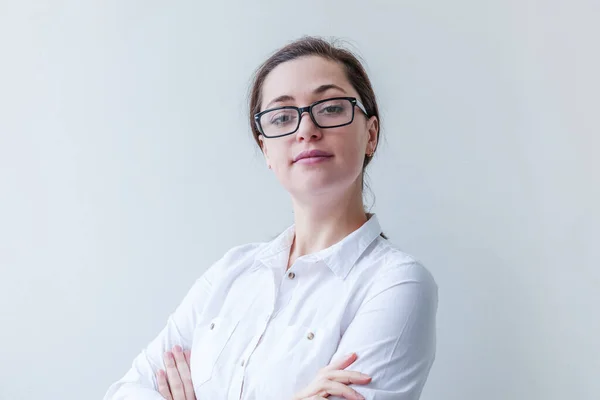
(212, 326)
(291, 275)
(310, 336)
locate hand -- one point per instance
(332, 380)
(176, 382)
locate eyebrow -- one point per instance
(321, 89)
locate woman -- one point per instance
(267, 319)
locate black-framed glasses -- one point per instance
(327, 113)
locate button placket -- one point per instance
(254, 343)
(285, 292)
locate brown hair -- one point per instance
(315, 46)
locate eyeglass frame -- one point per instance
(301, 110)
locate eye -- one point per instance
(332, 110)
(281, 118)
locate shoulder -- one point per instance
(237, 259)
(244, 251)
(396, 267)
(397, 290)
(241, 255)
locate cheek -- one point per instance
(350, 147)
(278, 154)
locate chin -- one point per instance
(315, 186)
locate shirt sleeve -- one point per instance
(394, 334)
(139, 383)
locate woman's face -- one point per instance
(303, 81)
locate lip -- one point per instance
(314, 155)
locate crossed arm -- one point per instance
(393, 334)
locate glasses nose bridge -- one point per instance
(302, 110)
(308, 110)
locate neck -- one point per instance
(322, 222)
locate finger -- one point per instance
(184, 373)
(339, 389)
(163, 385)
(188, 355)
(342, 362)
(315, 398)
(325, 387)
(175, 383)
(348, 377)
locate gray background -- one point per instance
(127, 168)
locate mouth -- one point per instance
(312, 160)
(312, 157)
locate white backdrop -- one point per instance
(127, 168)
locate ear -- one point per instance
(372, 130)
(263, 147)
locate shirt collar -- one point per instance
(340, 257)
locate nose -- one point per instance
(307, 129)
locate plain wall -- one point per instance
(127, 167)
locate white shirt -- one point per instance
(257, 331)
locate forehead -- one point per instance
(298, 78)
